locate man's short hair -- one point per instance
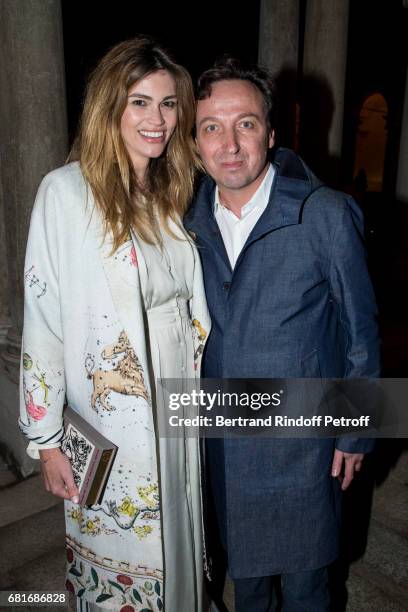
(228, 68)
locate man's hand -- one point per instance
(57, 473)
(347, 462)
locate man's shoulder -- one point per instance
(321, 203)
(202, 200)
(205, 187)
(332, 202)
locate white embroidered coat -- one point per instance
(84, 317)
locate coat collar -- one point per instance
(292, 185)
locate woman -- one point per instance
(122, 282)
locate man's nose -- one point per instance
(231, 141)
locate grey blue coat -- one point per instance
(299, 303)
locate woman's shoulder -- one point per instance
(66, 190)
(66, 177)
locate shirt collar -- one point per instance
(260, 198)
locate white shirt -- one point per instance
(235, 230)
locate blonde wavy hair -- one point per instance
(102, 154)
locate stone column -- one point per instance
(4, 292)
(33, 129)
(278, 52)
(33, 141)
(324, 72)
(402, 177)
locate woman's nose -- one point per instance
(156, 116)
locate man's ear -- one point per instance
(271, 140)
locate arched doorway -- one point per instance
(371, 141)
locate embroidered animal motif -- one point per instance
(125, 378)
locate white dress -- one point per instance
(166, 277)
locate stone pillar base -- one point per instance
(11, 354)
(12, 442)
(4, 328)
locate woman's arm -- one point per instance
(42, 389)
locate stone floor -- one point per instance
(32, 555)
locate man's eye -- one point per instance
(170, 103)
(247, 124)
(138, 102)
(211, 128)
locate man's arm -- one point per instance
(354, 296)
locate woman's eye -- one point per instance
(138, 102)
(170, 103)
(211, 128)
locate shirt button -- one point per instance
(226, 286)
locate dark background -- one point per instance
(198, 33)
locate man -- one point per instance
(289, 296)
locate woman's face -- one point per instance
(149, 118)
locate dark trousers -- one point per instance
(301, 592)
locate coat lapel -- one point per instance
(201, 222)
(283, 209)
(291, 187)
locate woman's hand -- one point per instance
(57, 473)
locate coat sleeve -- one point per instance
(42, 380)
(353, 294)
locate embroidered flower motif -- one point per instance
(133, 257)
(70, 555)
(76, 514)
(120, 591)
(149, 495)
(123, 579)
(147, 588)
(35, 411)
(128, 507)
(143, 531)
(92, 527)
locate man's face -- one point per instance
(233, 137)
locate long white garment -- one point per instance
(85, 339)
(166, 280)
